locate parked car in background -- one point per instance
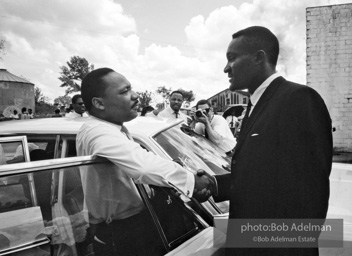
(41, 199)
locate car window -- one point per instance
(12, 151)
(45, 146)
(193, 151)
(59, 212)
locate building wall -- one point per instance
(15, 96)
(221, 100)
(329, 65)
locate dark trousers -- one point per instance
(135, 235)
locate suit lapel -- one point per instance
(259, 107)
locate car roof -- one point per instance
(145, 126)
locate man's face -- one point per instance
(206, 108)
(79, 106)
(240, 65)
(119, 100)
(176, 101)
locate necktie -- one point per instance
(126, 132)
(206, 133)
(176, 114)
(244, 121)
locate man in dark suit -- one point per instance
(282, 160)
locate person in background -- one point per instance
(30, 113)
(232, 122)
(283, 157)
(24, 114)
(173, 111)
(116, 211)
(57, 113)
(79, 110)
(146, 110)
(14, 115)
(213, 127)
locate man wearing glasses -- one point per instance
(79, 110)
(213, 127)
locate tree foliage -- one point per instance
(164, 92)
(187, 95)
(144, 98)
(63, 100)
(72, 75)
(38, 96)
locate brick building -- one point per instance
(329, 65)
(15, 93)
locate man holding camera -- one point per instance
(213, 127)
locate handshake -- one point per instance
(204, 186)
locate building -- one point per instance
(221, 100)
(329, 65)
(15, 93)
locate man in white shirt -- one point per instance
(79, 110)
(111, 196)
(173, 111)
(213, 127)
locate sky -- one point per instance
(153, 43)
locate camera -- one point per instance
(200, 112)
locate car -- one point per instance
(42, 180)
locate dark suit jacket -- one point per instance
(282, 159)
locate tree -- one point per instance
(187, 95)
(63, 100)
(38, 96)
(144, 98)
(164, 92)
(72, 76)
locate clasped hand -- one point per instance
(204, 186)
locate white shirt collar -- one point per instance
(101, 120)
(261, 89)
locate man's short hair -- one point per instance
(176, 92)
(202, 102)
(93, 86)
(260, 38)
(75, 98)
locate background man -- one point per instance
(173, 111)
(79, 109)
(282, 160)
(213, 127)
(115, 208)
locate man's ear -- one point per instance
(98, 103)
(260, 56)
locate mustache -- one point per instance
(135, 104)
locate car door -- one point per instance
(67, 229)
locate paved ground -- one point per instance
(342, 158)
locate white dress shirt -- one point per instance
(169, 113)
(109, 190)
(223, 135)
(260, 90)
(74, 114)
